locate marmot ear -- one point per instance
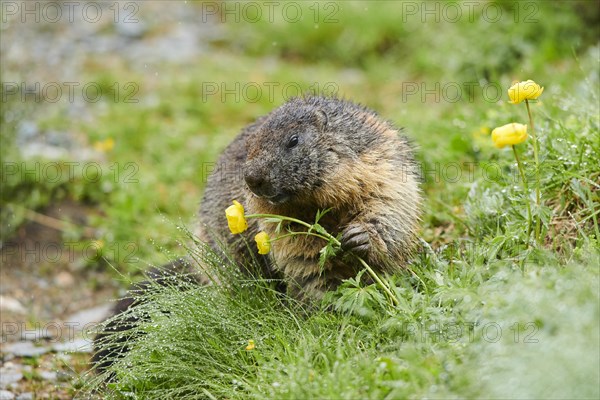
(322, 119)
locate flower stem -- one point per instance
(300, 233)
(526, 187)
(333, 239)
(537, 174)
(323, 235)
(298, 221)
(385, 287)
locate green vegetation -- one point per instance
(485, 315)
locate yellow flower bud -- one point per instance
(251, 345)
(262, 242)
(509, 134)
(235, 218)
(527, 90)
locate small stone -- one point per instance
(47, 375)
(6, 395)
(26, 131)
(24, 349)
(33, 150)
(131, 30)
(64, 279)
(8, 357)
(8, 376)
(25, 396)
(89, 316)
(74, 346)
(63, 358)
(37, 334)
(12, 305)
(59, 139)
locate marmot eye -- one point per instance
(292, 142)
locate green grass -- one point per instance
(484, 315)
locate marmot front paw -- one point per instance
(356, 238)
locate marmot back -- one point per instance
(312, 154)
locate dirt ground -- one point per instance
(50, 304)
(50, 297)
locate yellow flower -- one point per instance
(105, 145)
(251, 345)
(235, 218)
(262, 241)
(526, 90)
(509, 134)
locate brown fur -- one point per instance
(349, 160)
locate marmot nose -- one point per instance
(255, 181)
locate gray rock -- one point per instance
(25, 396)
(89, 316)
(11, 304)
(59, 139)
(6, 395)
(132, 30)
(8, 357)
(64, 279)
(9, 376)
(24, 349)
(26, 131)
(74, 346)
(47, 375)
(39, 333)
(39, 150)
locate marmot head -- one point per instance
(294, 151)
